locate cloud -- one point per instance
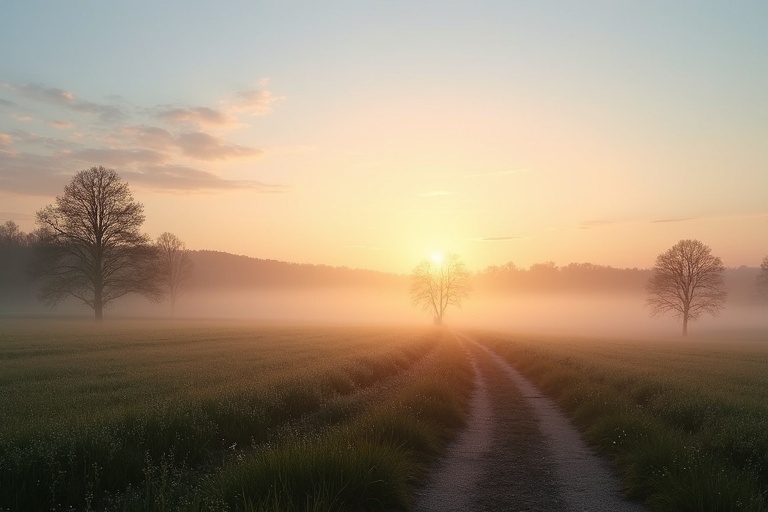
(204, 146)
(23, 119)
(201, 116)
(62, 125)
(149, 152)
(497, 238)
(436, 193)
(28, 138)
(145, 136)
(173, 177)
(32, 174)
(256, 102)
(66, 99)
(118, 157)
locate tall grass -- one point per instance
(135, 418)
(371, 462)
(685, 422)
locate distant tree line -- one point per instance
(549, 277)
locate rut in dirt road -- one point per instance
(517, 452)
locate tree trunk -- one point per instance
(98, 306)
(685, 324)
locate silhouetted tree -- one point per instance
(175, 265)
(762, 277)
(90, 244)
(688, 281)
(435, 286)
(10, 234)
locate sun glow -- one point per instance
(437, 258)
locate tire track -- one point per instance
(518, 452)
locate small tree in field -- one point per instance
(687, 281)
(762, 277)
(437, 285)
(175, 265)
(90, 244)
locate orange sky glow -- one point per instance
(374, 136)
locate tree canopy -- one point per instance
(91, 246)
(435, 286)
(688, 282)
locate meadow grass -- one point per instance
(125, 416)
(373, 461)
(685, 421)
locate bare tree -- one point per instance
(688, 281)
(437, 285)
(11, 235)
(175, 265)
(90, 244)
(762, 277)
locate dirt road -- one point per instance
(518, 452)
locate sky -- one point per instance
(373, 134)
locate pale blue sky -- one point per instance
(370, 133)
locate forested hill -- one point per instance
(213, 269)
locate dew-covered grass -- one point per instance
(127, 416)
(685, 421)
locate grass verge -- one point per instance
(685, 424)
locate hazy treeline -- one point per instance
(213, 269)
(222, 283)
(741, 282)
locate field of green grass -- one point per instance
(686, 421)
(201, 416)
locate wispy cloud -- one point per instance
(62, 125)
(118, 157)
(254, 102)
(207, 147)
(67, 99)
(199, 116)
(173, 177)
(158, 146)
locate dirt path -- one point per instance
(517, 453)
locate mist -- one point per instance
(607, 314)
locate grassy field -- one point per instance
(686, 421)
(195, 416)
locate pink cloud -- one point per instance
(207, 147)
(202, 116)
